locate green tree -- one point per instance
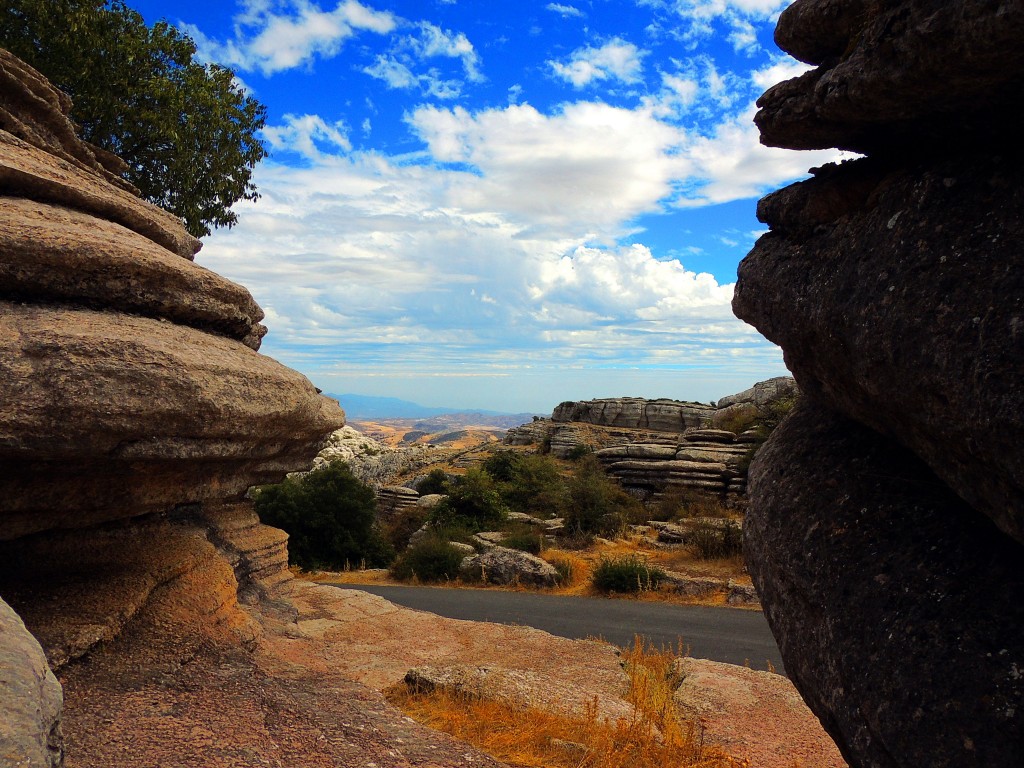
(187, 131)
(473, 502)
(329, 517)
(596, 504)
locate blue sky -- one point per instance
(502, 205)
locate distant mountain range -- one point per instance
(372, 407)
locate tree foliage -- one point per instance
(473, 502)
(329, 516)
(596, 504)
(187, 131)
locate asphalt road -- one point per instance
(721, 634)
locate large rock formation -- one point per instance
(657, 446)
(135, 412)
(886, 526)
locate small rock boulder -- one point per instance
(500, 565)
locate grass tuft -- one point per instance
(654, 738)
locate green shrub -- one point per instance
(329, 517)
(403, 525)
(524, 538)
(596, 504)
(535, 486)
(712, 540)
(578, 451)
(436, 481)
(473, 502)
(626, 574)
(432, 558)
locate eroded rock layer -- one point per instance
(886, 522)
(135, 412)
(656, 446)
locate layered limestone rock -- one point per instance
(886, 526)
(135, 412)
(658, 446)
(635, 413)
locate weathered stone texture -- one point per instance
(896, 605)
(897, 75)
(134, 414)
(908, 309)
(30, 699)
(635, 413)
(885, 530)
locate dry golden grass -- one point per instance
(654, 738)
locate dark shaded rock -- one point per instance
(896, 606)
(893, 74)
(907, 312)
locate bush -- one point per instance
(432, 558)
(711, 540)
(626, 574)
(687, 502)
(578, 451)
(596, 504)
(403, 525)
(566, 569)
(329, 516)
(473, 502)
(524, 538)
(436, 481)
(534, 486)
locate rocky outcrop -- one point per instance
(136, 412)
(873, 576)
(756, 716)
(634, 413)
(655, 447)
(886, 526)
(500, 565)
(30, 696)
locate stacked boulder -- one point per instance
(885, 532)
(135, 412)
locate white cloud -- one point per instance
(732, 164)
(400, 77)
(565, 11)
(300, 133)
(587, 167)
(781, 68)
(399, 68)
(739, 17)
(434, 41)
(616, 59)
(272, 37)
(513, 262)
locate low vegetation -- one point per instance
(626, 574)
(432, 558)
(329, 516)
(655, 737)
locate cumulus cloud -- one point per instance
(588, 165)
(615, 60)
(401, 68)
(735, 19)
(300, 134)
(565, 10)
(276, 36)
(500, 246)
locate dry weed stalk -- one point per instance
(654, 738)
